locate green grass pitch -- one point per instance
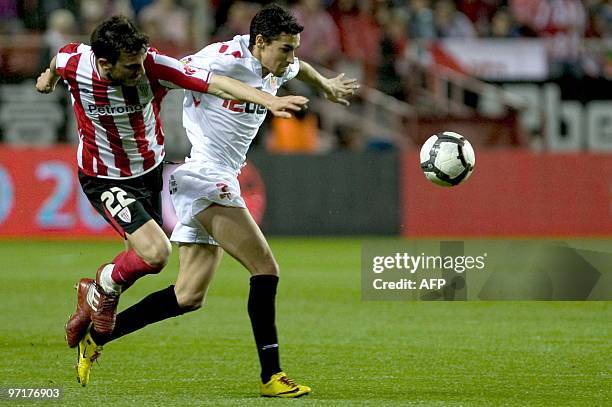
(349, 351)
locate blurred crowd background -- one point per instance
(392, 46)
(368, 32)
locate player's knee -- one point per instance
(189, 302)
(268, 266)
(157, 254)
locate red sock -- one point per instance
(129, 267)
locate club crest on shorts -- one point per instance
(224, 191)
(125, 215)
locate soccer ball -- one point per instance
(447, 159)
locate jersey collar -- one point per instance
(246, 53)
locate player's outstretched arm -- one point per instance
(228, 88)
(48, 79)
(174, 74)
(336, 89)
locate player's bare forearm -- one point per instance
(311, 76)
(48, 79)
(336, 89)
(228, 88)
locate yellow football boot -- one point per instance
(88, 352)
(282, 386)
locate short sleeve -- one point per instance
(64, 55)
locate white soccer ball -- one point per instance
(447, 159)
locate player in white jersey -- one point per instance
(206, 194)
(117, 85)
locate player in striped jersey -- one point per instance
(117, 85)
(212, 216)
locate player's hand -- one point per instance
(281, 106)
(46, 82)
(339, 88)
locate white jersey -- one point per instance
(220, 130)
(120, 131)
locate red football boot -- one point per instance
(104, 307)
(79, 321)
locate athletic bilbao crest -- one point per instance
(125, 215)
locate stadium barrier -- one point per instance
(340, 193)
(512, 193)
(334, 194)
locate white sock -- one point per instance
(106, 280)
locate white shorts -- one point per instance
(193, 188)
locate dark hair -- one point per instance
(114, 35)
(271, 22)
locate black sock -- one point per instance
(261, 311)
(155, 307)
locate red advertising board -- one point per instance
(512, 193)
(40, 196)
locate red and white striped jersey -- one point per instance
(120, 129)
